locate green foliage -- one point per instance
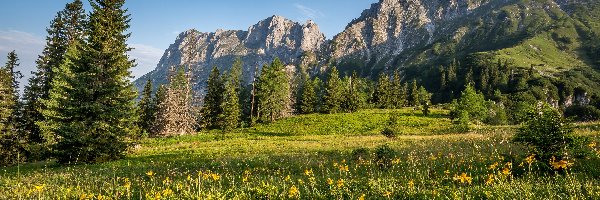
(11, 140)
(471, 105)
(309, 99)
(213, 99)
(381, 95)
(546, 132)
(147, 109)
(91, 107)
(390, 130)
(272, 91)
(384, 155)
(353, 95)
(229, 119)
(334, 91)
(413, 94)
(582, 113)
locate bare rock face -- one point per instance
(390, 27)
(260, 44)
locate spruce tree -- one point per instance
(213, 100)
(272, 91)
(333, 92)
(11, 141)
(352, 100)
(229, 119)
(381, 96)
(159, 99)
(413, 97)
(308, 101)
(397, 97)
(147, 109)
(424, 100)
(91, 107)
(65, 28)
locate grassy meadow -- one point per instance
(338, 156)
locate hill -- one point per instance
(315, 159)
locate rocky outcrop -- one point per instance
(260, 44)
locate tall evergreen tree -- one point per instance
(333, 92)
(413, 97)
(159, 99)
(213, 100)
(381, 96)
(229, 119)
(308, 101)
(352, 100)
(272, 91)
(397, 97)
(11, 141)
(147, 109)
(91, 107)
(67, 27)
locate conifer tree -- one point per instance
(351, 102)
(229, 119)
(67, 27)
(147, 109)
(159, 98)
(413, 97)
(333, 92)
(308, 102)
(11, 141)
(396, 97)
(91, 107)
(213, 99)
(381, 96)
(425, 100)
(272, 91)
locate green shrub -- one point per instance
(360, 154)
(582, 113)
(384, 155)
(390, 130)
(546, 132)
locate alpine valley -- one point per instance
(554, 38)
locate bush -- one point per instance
(546, 132)
(582, 113)
(360, 154)
(384, 155)
(390, 130)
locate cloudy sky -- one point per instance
(156, 23)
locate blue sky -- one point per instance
(156, 23)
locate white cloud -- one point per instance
(146, 57)
(307, 12)
(27, 46)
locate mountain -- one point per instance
(406, 34)
(557, 38)
(260, 44)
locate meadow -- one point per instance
(337, 156)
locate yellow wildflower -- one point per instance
(127, 183)
(167, 192)
(411, 184)
(387, 194)
(530, 159)
(287, 178)
(362, 197)
(493, 166)
(447, 172)
(293, 192)
(308, 172)
(215, 177)
(463, 178)
(592, 145)
(561, 164)
(150, 173)
(329, 181)
(506, 171)
(167, 181)
(40, 188)
(340, 183)
(490, 179)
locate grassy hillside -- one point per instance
(337, 156)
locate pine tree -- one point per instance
(213, 100)
(413, 97)
(11, 141)
(272, 92)
(381, 96)
(333, 92)
(147, 109)
(159, 99)
(308, 101)
(65, 28)
(425, 99)
(351, 103)
(229, 119)
(91, 107)
(397, 100)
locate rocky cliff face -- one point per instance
(391, 27)
(260, 44)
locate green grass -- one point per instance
(314, 155)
